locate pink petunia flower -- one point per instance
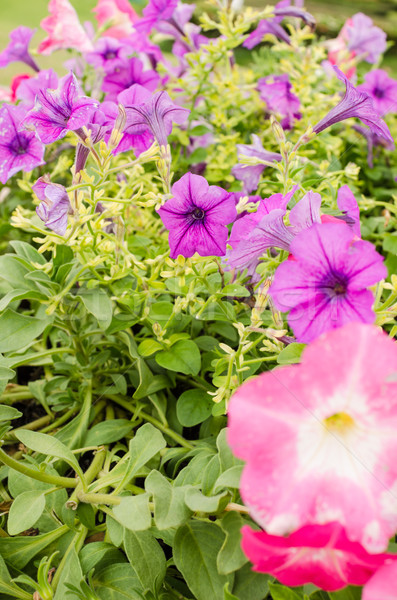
(28, 89)
(364, 38)
(382, 586)
(126, 74)
(319, 438)
(118, 15)
(64, 29)
(319, 554)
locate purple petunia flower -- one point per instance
(382, 89)
(354, 103)
(364, 38)
(55, 206)
(373, 140)
(19, 150)
(155, 11)
(130, 71)
(108, 53)
(29, 88)
(149, 115)
(58, 111)
(196, 217)
(251, 174)
(325, 286)
(18, 48)
(275, 91)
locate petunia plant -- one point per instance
(197, 307)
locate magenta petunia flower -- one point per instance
(58, 111)
(19, 150)
(196, 217)
(130, 71)
(29, 88)
(318, 438)
(319, 554)
(150, 116)
(325, 287)
(18, 48)
(108, 54)
(155, 11)
(382, 586)
(251, 174)
(55, 206)
(64, 29)
(382, 89)
(364, 38)
(275, 91)
(355, 103)
(118, 15)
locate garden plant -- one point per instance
(198, 374)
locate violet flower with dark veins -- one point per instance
(151, 113)
(58, 111)
(20, 150)
(382, 89)
(155, 11)
(29, 88)
(251, 174)
(126, 74)
(55, 206)
(18, 48)
(275, 91)
(197, 217)
(354, 103)
(108, 53)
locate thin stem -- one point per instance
(91, 498)
(66, 482)
(76, 544)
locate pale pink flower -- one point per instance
(319, 438)
(118, 14)
(382, 586)
(64, 29)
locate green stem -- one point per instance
(75, 545)
(66, 482)
(59, 421)
(33, 426)
(89, 476)
(90, 498)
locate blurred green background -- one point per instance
(330, 17)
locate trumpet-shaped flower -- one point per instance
(150, 116)
(155, 11)
(373, 141)
(64, 29)
(251, 174)
(29, 88)
(18, 48)
(19, 150)
(118, 15)
(54, 207)
(196, 217)
(364, 38)
(382, 89)
(326, 286)
(319, 554)
(128, 73)
(275, 91)
(355, 103)
(107, 54)
(382, 586)
(58, 111)
(319, 440)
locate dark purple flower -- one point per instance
(55, 206)
(29, 88)
(155, 11)
(373, 140)
(275, 91)
(18, 48)
(58, 111)
(325, 286)
(19, 150)
(151, 114)
(297, 12)
(196, 217)
(364, 38)
(130, 71)
(354, 103)
(251, 174)
(382, 89)
(108, 53)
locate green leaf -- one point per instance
(227, 595)
(231, 557)
(149, 347)
(197, 502)
(160, 312)
(18, 551)
(99, 555)
(291, 354)
(280, 592)
(17, 330)
(28, 252)
(146, 559)
(108, 432)
(170, 509)
(117, 582)
(98, 303)
(390, 242)
(133, 512)
(249, 585)
(71, 574)
(349, 593)
(229, 478)
(5, 375)
(25, 510)
(193, 407)
(13, 271)
(86, 515)
(46, 444)
(7, 413)
(234, 290)
(147, 442)
(196, 547)
(182, 357)
(145, 379)
(18, 294)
